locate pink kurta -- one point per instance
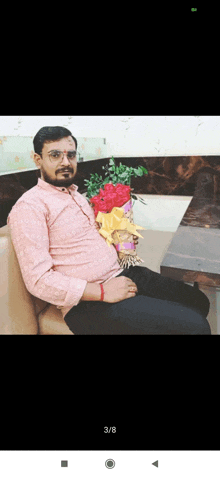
(58, 246)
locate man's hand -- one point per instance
(118, 289)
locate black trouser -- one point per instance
(162, 306)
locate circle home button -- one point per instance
(110, 463)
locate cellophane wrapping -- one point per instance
(126, 257)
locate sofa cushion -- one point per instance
(51, 322)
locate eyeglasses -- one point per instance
(56, 156)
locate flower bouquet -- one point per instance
(113, 208)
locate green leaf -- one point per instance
(142, 200)
(144, 170)
(134, 196)
(138, 173)
(123, 175)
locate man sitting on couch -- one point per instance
(66, 262)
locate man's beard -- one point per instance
(67, 182)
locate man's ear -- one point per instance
(37, 159)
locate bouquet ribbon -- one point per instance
(125, 246)
(114, 220)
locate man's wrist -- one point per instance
(102, 292)
(92, 292)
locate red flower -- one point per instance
(123, 192)
(99, 204)
(109, 188)
(122, 187)
(112, 196)
(101, 192)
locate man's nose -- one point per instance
(65, 161)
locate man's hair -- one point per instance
(50, 134)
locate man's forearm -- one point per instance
(92, 292)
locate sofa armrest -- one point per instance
(16, 305)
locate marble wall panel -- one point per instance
(197, 176)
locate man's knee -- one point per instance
(155, 316)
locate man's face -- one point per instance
(52, 170)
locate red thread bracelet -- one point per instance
(102, 292)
